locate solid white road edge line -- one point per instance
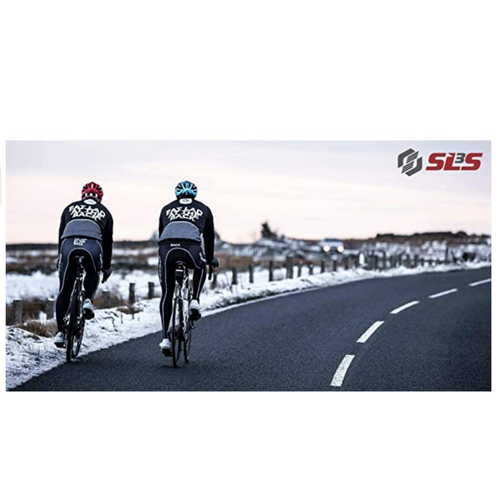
(480, 282)
(338, 378)
(402, 308)
(370, 332)
(440, 294)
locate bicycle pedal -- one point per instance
(195, 315)
(88, 314)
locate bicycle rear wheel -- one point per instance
(74, 334)
(176, 332)
(187, 341)
(188, 328)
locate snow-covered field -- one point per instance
(432, 249)
(29, 355)
(43, 286)
(33, 274)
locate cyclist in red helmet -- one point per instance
(87, 229)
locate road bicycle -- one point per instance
(182, 323)
(74, 321)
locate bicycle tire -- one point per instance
(187, 342)
(187, 334)
(176, 337)
(80, 326)
(74, 335)
(71, 328)
(69, 345)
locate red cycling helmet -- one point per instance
(93, 190)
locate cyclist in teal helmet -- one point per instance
(186, 233)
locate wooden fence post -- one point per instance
(299, 270)
(311, 269)
(234, 280)
(334, 266)
(17, 306)
(105, 299)
(151, 290)
(49, 308)
(289, 268)
(271, 270)
(250, 273)
(375, 261)
(384, 260)
(131, 293)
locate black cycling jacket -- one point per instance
(89, 219)
(188, 220)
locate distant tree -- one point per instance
(267, 232)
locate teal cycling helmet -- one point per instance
(186, 189)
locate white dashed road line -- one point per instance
(369, 332)
(338, 378)
(406, 306)
(440, 294)
(480, 282)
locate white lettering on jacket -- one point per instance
(185, 213)
(89, 212)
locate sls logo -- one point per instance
(411, 163)
(454, 161)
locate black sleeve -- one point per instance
(209, 236)
(107, 243)
(62, 225)
(160, 225)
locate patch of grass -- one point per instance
(115, 300)
(130, 309)
(41, 328)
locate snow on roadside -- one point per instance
(29, 355)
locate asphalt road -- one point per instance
(307, 341)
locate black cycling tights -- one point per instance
(169, 254)
(92, 251)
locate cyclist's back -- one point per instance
(86, 229)
(185, 234)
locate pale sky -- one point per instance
(304, 189)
